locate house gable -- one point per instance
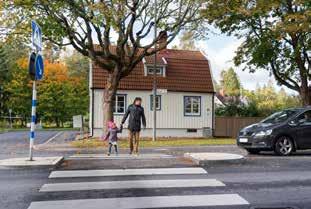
(183, 71)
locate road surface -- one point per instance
(262, 181)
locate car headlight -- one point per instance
(263, 133)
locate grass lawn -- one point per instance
(2, 130)
(161, 142)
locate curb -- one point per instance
(213, 162)
(56, 163)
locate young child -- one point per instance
(112, 136)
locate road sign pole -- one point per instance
(154, 129)
(33, 120)
(36, 69)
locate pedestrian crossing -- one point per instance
(85, 182)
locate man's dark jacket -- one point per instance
(137, 115)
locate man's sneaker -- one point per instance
(108, 154)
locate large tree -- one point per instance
(10, 52)
(276, 36)
(89, 26)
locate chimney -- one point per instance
(162, 40)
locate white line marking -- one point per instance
(50, 139)
(121, 156)
(144, 202)
(140, 184)
(126, 172)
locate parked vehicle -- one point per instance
(283, 132)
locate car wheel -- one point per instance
(253, 151)
(284, 146)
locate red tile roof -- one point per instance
(186, 71)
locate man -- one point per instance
(137, 115)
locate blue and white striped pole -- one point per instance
(33, 120)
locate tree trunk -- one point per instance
(109, 97)
(305, 94)
(57, 122)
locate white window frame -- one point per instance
(159, 102)
(192, 100)
(116, 103)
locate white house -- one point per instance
(185, 98)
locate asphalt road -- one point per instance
(265, 181)
(16, 144)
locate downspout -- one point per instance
(213, 115)
(92, 121)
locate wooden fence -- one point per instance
(230, 126)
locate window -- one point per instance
(119, 104)
(159, 70)
(158, 102)
(192, 106)
(305, 118)
(192, 130)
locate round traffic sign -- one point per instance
(39, 67)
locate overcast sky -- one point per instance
(220, 50)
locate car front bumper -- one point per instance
(251, 142)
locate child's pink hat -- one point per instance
(110, 123)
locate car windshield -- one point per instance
(279, 117)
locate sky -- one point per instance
(220, 50)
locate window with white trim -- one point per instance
(119, 104)
(158, 102)
(192, 105)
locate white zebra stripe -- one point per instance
(134, 184)
(144, 202)
(126, 172)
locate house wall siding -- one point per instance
(170, 119)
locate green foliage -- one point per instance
(61, 96)
(261, 102)
(234, 109)
(77, 64)
(268, 100)
(230, 82)
(9, 53)
(275, 34)
(19, 91)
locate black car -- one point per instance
(283, 132)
